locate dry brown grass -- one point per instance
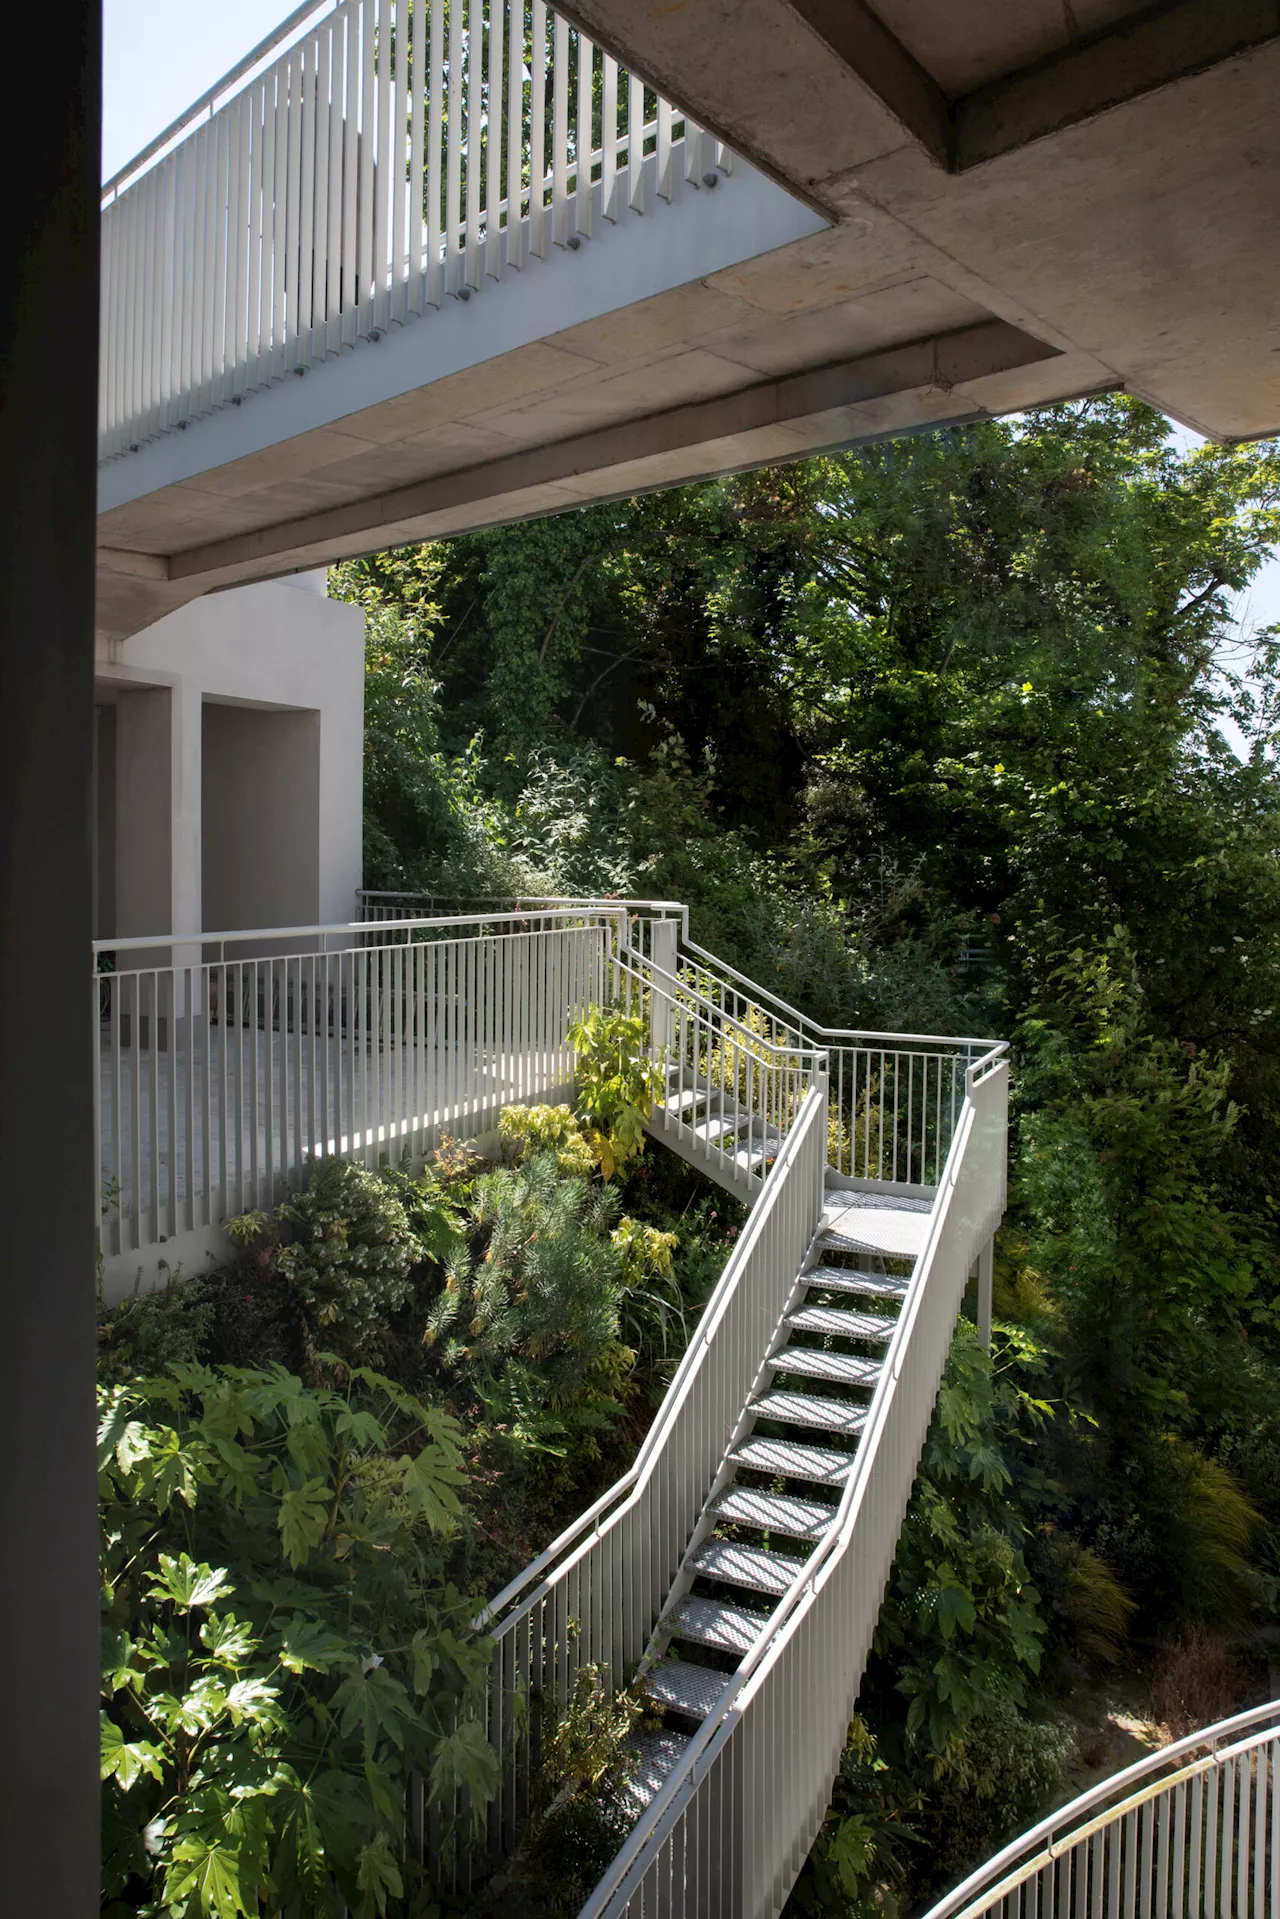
(1196, 1681)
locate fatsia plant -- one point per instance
(281, 1648)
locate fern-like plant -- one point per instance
(534, 1315)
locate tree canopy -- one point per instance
(936, 734)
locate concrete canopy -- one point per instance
(955, 208)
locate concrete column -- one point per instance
(144, 812)
(187, 717)
(986, 1262)
(49, 153)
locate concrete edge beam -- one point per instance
(940, 364)
(1135, 57)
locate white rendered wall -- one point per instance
(260, 803)
(282, 651)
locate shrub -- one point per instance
(581, 1816)
(534, 1319)
(1197, 1681)
(1208, 1528)
(1096, 1606)
(1008, 1770)
(146, 1333)
(281, 1648)
(537, 1129)
(617, 1082)
(349, 1254)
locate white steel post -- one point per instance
(986, 1261)
(662, 1007)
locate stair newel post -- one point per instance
(662, 1006)
(619, 985)
(986, 1262)
(822, 1084)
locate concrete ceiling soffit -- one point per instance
(1167, 42)
(1137, 56)
(810, 89)
(755, 421)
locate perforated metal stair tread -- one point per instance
(805, 1519)
(838, 1279)
(682, 1102)
(719, 1623)
(841, 1322)
(750, 1157)
(677, 1685)
(808, 1409)
(857, 1200)
(713, 1131)
(791, 1459)
(810, 1363)
(748, 1566)
(869, 1223)
(657, 1755)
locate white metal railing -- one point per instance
(594, 1596)
(729, 1830)
(731, 1089)
(226, 1069)
(1189, 1832)
(894, 1098)
(395, 155)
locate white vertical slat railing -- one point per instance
(1189, 1832)
(894, 1097)
(594, 1596)
(222, 1079)
(394, 155)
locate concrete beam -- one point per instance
(761, 422)
(1133, 58)
(859, 38)
(814, 88)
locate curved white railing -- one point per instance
(610, 1572)
(1191, 1830)
(394, 156)
(733, 1823)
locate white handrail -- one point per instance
(1066, 1827)
(765, 995)
(352, 930)
(192, 113)
(677, 1394)
(598, 1605)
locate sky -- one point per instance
(159, 57)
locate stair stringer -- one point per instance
(677, 1128)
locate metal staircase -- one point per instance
(733, 1576)
(776, 1493)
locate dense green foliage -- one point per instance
(931, 736)
(617, 1082)
(282, 1646)
(295, 1551)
